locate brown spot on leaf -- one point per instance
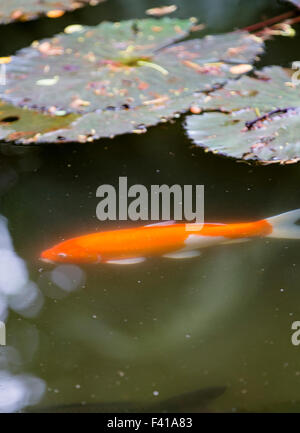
(143, 85)
(78, 103)
(156, 29)
(56, 13)
(162, 10)
(50, 50)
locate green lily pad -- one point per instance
(24, 10)
(269, 89)
(92, 126)
(123, 77)
(24, 126)
(254, 118)
(122, 65)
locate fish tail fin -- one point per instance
(284, 225)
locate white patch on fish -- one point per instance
(126, 261)
(198, 241)
(183, 254)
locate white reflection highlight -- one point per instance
(63, 280)
(9, 357)
(22, 295)
(13, 273)
(3, 307)
(68, 277)
(16, 290)
(5, 239)
(19, 391)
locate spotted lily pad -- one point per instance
(26, 126)
(123, 77)
(108, 124)
(253, 118)
(24, 10)
(122, 65)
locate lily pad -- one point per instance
(122, 65)
(92, 126)
(24, 10)
(123, 77)
(24, 126)
(254, 118)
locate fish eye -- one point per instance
(62, 255)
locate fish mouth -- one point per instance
(43, 259)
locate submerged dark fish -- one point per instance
(191, 402)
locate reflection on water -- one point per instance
(220, 323)
(62, 280)
(16, 290)
(18, 391)
(21, 295)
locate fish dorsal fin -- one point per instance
(183, 254)
(130, 261)
(162, 223)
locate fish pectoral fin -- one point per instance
(132, 261)
(235, 241)
(162, 223)
(183, 254)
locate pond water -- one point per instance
(128, 337)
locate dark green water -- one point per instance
(148, 332)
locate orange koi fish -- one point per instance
(171, 240)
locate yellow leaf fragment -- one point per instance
(56, 13)
(153, 66)
(157, 101)
(73, 28)
(47, 81)
(5, 60)
(241, 69)
(257, 112)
